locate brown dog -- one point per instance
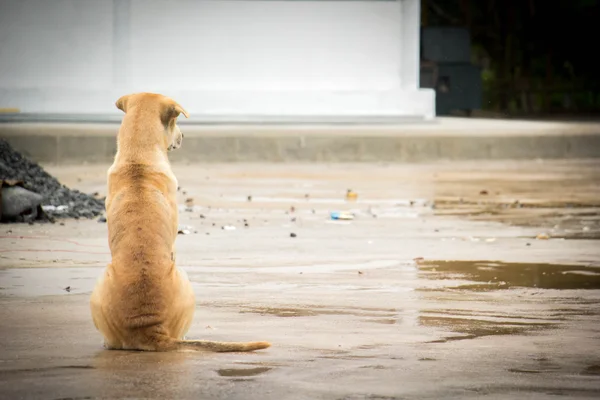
(142, 301)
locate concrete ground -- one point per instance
(437, 289)
(457, 139)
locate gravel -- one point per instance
(79, 205)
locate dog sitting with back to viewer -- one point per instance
(142, 301)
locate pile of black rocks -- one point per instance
(13, 166)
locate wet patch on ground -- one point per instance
(592, 370)
(44, 369)
(472, 328)
(561, 219)
(495, 275)
(33, 282)
(378, 315)
(480, 282)
(242, 372)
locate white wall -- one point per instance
(223, 58)
(266, 45)
(55, 44)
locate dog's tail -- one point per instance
(220, 347)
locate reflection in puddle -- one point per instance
(243, 371)
(499, 275)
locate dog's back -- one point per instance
(142, 219)
(141, 235)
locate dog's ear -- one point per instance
(170, 111)
(122, 103)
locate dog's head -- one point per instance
(163, 107)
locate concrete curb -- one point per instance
(96, 143)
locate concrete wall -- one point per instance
(253, 58)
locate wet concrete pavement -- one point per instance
(437, 289)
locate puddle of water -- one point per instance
(241, 372)
(472, 328)
(592, 370)
(481, 276)
(29, 282)
(499, 275)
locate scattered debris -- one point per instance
(67, 289)
(418, 260)
(543, 236)
(249, 198)
(202, 216)
(351, 195)
(189, 204)
(184, 230)
(360, 272)
(292, 209)
(102, 219)
(483, 192)
(292, 234)
(307, 196)
(341, 215)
